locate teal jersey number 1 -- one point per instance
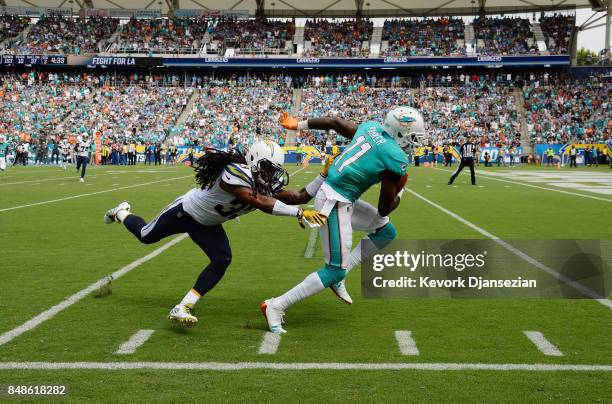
(359, 166)
(3, 147)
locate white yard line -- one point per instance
(312, 242)
(407, 345)
(91, 193)
(582, 289)
(53, 311)
(230, 366)
(544, 345)
(135, 341)
(65, 177)
(489, 177)
(269, 343)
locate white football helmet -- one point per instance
(265, 158)
(406, 126)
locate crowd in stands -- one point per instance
(426, 37)
(162, 35)
(505, 36)
(239, 108)
(442, 36)
(253, 35)
(66, 35)
(41, 107)
(565, 109)
(557, 30)
(348, 38)
(12, 25)
(484, 109)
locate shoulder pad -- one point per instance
(237, 174)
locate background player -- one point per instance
(3, 153)
(230, 186)
(374, 155)
(65, 150)
(82, 147)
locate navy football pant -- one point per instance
(211, 239)
(81, 162)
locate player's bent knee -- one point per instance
(222, 260)
(331, 274)
(384, 235)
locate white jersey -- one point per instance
(214, 206)
(82, 147)
(65, 147)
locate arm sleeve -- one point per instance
(398, 163)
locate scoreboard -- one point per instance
(27, 60)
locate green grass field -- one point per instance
(54, 245)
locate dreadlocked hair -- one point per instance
(211, 163)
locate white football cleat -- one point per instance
(183, 315)
(82, 179)
(111, 215)
(339, 290)
(273, 316)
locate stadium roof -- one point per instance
(326, 8)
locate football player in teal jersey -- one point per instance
(376, 154)
(3, 153)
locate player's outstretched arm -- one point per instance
(294, 197)
(389, 198)
(274, 206)
(341, 126)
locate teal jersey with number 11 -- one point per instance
(359, 166)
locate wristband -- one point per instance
(282, 209)
(302, 125)
(400, 193)
(314, 185)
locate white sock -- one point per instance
(191, 298)
(311, 285)
(355, 256)
(121, 215)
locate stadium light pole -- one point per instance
(608, 17)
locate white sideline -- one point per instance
(131, 345)
(544, 345)
(406, 343)
(582, 289)
(490, 177)
(229, 366)
(269, 343)
(53, 311)
(91, 193)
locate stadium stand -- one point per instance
(176, 35)
(427, 37)
(252, 36)
(66, 35)
(558, 30)
(337, 38)
(11, 26)
(241, 108)
(504, 36)
(566, 109)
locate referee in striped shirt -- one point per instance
(467, 152)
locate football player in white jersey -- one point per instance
(83, 145)
(230, 185)
(65, 150)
